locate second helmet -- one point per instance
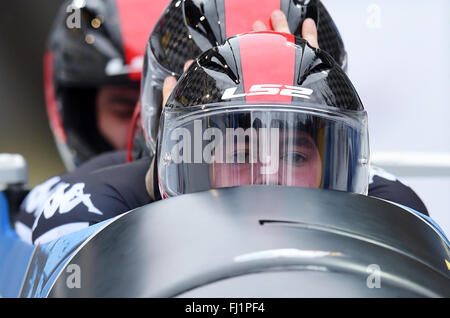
(189, 27)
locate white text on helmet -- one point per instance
(269, 89)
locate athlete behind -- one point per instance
(92, 71)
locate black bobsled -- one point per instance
(255, 241)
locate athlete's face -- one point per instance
(290, 162)
(114, 107)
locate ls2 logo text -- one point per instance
(269, 89)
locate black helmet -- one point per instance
(189, 27)
(92, 43)
(264, 108)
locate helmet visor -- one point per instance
(263, 145)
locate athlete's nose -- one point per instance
(264, 174)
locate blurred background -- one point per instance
(398, 61)
(24, 127)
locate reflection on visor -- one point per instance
(263, 147)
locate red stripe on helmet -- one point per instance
(52, 106)
(241, 14)
(267, 58)
(137, 19)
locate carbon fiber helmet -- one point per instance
(189, 27)
(264, 108)
(92, 43)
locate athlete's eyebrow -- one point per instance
(301, 141)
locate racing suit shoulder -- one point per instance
(110, 158)
(36, 198)
(387, 186)
(79, 199)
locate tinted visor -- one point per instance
(263, 145)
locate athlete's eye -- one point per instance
(294, 157)
(122, 110)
